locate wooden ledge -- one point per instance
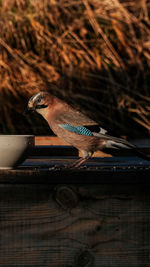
(52, 145)
(46, 165)
(51, 170)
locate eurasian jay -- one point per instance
(75, 128)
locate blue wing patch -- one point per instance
(77, 129)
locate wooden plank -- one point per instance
(49, 141)
(51, 170)
(53, 144)
(54, 140)
(75, 225)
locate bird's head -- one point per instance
(39, 103)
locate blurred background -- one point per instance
(94, 54)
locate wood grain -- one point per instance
(51, 170)
(96, 216)
(105, 225)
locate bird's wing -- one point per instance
(97, 131)
(74, 117)
(81, 130)
(110, 141)
(74, 121)
(91, 130)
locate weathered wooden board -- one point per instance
(50, 170)
(96, 216)
(105, 225)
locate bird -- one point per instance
(76, 128)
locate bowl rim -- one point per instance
(17, 135)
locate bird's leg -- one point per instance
(77, 163)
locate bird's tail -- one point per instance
(119, 143)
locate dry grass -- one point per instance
(93, 53)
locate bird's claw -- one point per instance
(76, 164)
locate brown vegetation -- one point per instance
(95, 54)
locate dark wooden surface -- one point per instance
(98, 216)
(50, 170)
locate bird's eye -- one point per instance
(39, 100)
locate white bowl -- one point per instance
(14, 149)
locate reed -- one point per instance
(95, 54)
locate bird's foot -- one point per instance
(76, 163)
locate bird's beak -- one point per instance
(28, 110)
